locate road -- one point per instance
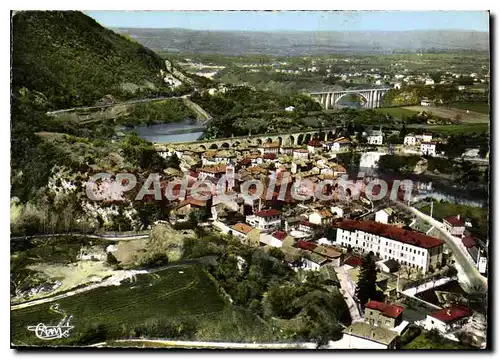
(347, 289)
(131, 102)
(214, 345)
(108, 237)
(473, 275)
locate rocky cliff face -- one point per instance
(420, 167)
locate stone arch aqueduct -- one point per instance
(327, 99)
(330, 99)
(284, 139)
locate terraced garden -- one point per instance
(177, 293)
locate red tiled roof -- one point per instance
(389, 310)
(308, 224)
(398, 234)
(455, 312)
(326, 213)
(193, 202)
(243, 228)
(279, 235)
(271, 145)
(468, 241)
(246, 161)
(269, 156)
(194, 174)
(306, 245)
(353, 261)
(455, 221)
(339, 168)
(315, 143)
(268, 213)
(214, 169)
(342, 140)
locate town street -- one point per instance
(473, 275)
(347, 289)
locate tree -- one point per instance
(394, 139)
(367, 288)
(174, 161)
(111, 259)
(324, 311)
(350, 129)
(157, 259)
(451, 271)
(277, 253)
(436, 76)
(281, 300)
(403, 132)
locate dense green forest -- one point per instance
(172, 110)
(62, 59)
(73, 61)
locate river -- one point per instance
(186, 131)
(427, 188)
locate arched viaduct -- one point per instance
(330, 99)
(284, 139)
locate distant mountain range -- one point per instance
(306, 43)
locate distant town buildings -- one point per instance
(428, 148)
(410, 140)
(425, 102)
(375, 137)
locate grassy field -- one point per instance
(452, 113)
(178, 292)
(445, 209)
(454, 129)
(397, 112)
(424, 341)
(479, 107)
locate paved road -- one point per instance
(348, 291)
(473, 275)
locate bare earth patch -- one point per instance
(72, 275)
(127, 250)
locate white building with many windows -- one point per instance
(375, 137)
(265, 220)
(428, 148)
(410, 248)
(410, 140)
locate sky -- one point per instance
(297, 20)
